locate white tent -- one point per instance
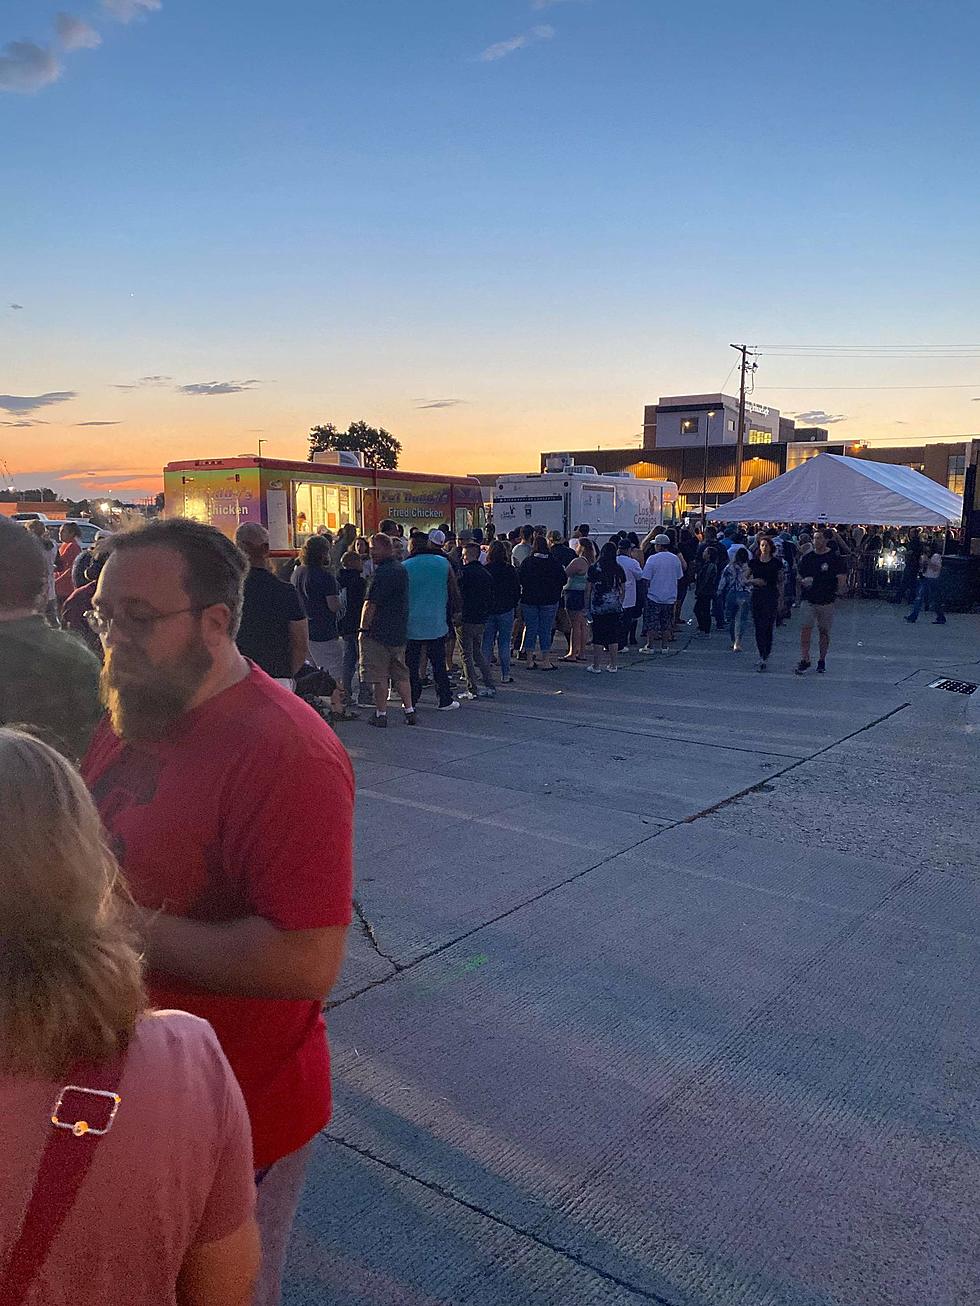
(834, 488)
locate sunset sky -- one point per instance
(492, 226)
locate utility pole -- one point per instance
(740, 434)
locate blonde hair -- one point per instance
(71, 986)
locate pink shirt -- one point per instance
(174, 1171)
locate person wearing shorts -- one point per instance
(384, 633)
(822, 575)
(662, 571)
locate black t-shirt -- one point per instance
(388, 592)
(315, 586)
(352, 587)
(767, 571)
(476, 588)
(542, 580)
(824, 568)
(268, 608)
(563, 554)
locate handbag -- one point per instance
(67, 1157)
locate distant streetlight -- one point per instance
(704, 477)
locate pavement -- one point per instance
(663, 988)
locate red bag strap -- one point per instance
(82, 1113)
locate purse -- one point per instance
(67, 1157)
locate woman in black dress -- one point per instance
(764, 572)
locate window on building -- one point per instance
(759, 437)
(689, 426)
(731, 423)
(956, 472)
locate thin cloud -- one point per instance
(124, 11)
(209, 388)
(25, 404)
(501, 49)
(145, 381)
(16, 306)
(36, 421)
(75, 34)
(819, 418)
(26, 67)
(438, 403)
(98, 423)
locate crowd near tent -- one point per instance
(834, 488)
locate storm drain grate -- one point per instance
(954, 686)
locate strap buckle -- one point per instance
(82, 1127)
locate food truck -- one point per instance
(566, 495)
(292, 500)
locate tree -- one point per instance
(379, 447)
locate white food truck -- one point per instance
(564, 496)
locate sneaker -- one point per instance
(665, 652)
(411, 719)
(821, 666)
(594, 671)
(940, 621)
(449, 707)
(487, 693)
(761, 667)
(910, 619)
(612, 670)
(803, 666)
(379, 722)
(645, 648)
(508, 680)
(736, 647)
(466, 697)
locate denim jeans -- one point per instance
(350, 666)
(539, 626)
(737, 608)
(437, 661)
(928, 594)
(498, 629)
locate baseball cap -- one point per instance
(437, 537)
(661, 539)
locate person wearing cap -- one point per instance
(662, 571)
(274, 630)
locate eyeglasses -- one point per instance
(133, 623)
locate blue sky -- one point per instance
(355, 209)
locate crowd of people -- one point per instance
(473, 604)
(174, 911)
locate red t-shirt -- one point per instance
(244, 808)
(68, 551)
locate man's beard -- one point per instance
(143, 700)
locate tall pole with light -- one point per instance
(704, 476)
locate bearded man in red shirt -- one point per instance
(229, 804)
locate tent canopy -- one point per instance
(834, 488)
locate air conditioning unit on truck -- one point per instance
(565, 496)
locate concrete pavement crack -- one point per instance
(367, 929)
(644, 1293)
(401, 967)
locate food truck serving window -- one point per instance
(319, 505)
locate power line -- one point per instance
(959, 385)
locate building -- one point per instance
(692, 439)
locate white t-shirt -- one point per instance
(933, 567)
(632, 570)
(663, 571)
